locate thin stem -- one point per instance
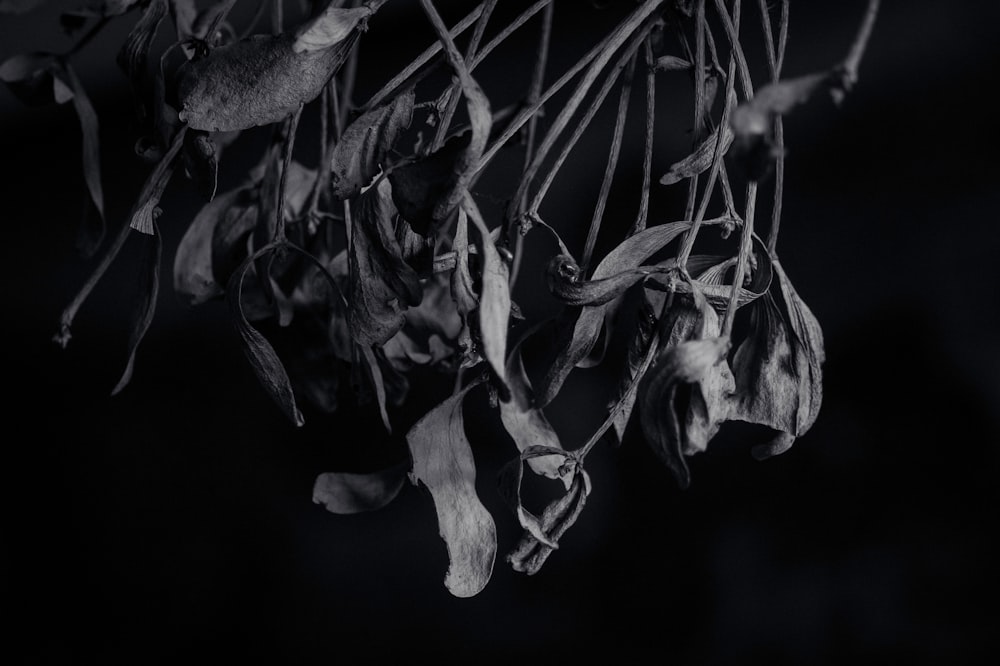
(521, 19)
(746, 239)
(583, 123)
(713, 174)
(534, 94)
(293, 125)
(774, 63)
(731, 24)
(454, 90)
(613, 155)
(647, 160)
(421, 60)
(699, 99)
(635, 23)
(277, 16)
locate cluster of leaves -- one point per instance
(381, 259)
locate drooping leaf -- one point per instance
(255, 81)
(526, 423)
(134, 53)
(382, 285)
(350, 492)
(331, 27)
(149, 291)
(362, 148)
(201, 162)
(378, 382)
(647, 317)
(778, 368)
(509, 486)
(494, 297)
(699, 160)
(443, 462)
(688, 366)
(419, 186)
(194, 276)
(91, 154)
(530, 554)
(263, 359)
(231, 233)
(146, 208)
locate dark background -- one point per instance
(175, 520)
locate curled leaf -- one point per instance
(443, 462)
(259, 352)
(149, 291)
(362, 148)
(699, 160)
(643, 337)
(430, 330)
(382, 285)
(509, 485)
(530, 554)
(565, 283)
(349, 492)
(669, 63)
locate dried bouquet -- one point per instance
(358, 256)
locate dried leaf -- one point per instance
(526, 424)
(443, 462)
(382, 285)
(778, 368)
(194, 276)
(349, 492)
(689, 365)
(330, 28)
(201, 163)
(419, 186)
(494, 299)
(699, 160)
(530, 554)
(255, 81)
(231, 233)
(565, 283)
(632, 371)
(259, 352)
(628, 255)
(134, 53)
(378, 382)
(361, 151)
(509, 486)
(146, 210)
(149, 291)
(430, 330)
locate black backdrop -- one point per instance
(174, 521)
